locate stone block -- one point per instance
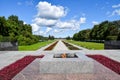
(82, 64)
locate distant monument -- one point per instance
(112, 45)
(8, 46)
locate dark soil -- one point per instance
(51, 46)
(71, 47)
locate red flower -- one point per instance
(11, 70)
(111, 64)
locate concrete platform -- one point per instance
(31, 72)
(82, 64)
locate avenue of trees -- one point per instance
(13, 29)
(104, 31)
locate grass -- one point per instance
(34, 46)
(88, 45)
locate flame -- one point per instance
(64, 55)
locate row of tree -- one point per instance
(15, 30)
(51, 37)
(104, 31)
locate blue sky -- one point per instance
(61, 18)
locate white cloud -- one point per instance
(116, 12)
(49, 16)
(28, 3)
(47, 30)
(95, 22)
(48, 11)
(82, 20)
(72, 24)
(116, 6)
(24, 22)
(39, 33)
(57, 31)
(44, 22)
(35, 27)
(64, 25)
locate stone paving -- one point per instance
(81, 64)
(32, 71)
(60, 46)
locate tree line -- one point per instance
(13, 29)
(104, 31)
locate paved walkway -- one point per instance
(32, 71)
(60, 46)
(100, 72)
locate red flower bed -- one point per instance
(11, 70)
(111, 64)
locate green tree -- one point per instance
(84, 35)
(75, 37)
(118, 37)
(51, 37)
(3, 26)
(93, 33)
(12, 37)
(68, 38)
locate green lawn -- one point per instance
(88, 45)
(34, 46)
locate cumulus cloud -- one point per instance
(116, 6)
(116, 12)
(65, 25)
(45, 32)
(48, 30)
(42, 32)
(35, 27)
(72, 24)
(95, 22)
(49, 11)
(39, 33)
(59, 30)
(49, 16)
(56, 31)
(44, 22)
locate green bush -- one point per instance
(111, 38)
(118, 38)
(4, 39)
(1, 38)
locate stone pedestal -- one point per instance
(82, 64)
